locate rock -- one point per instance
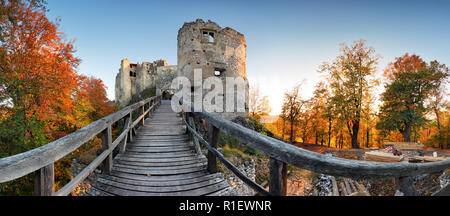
(324, 185)
(419, 178)
(399, 193)
(239, 187)
(444, 179)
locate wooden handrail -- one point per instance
(228, 164)
(319, 163)
(38, 159)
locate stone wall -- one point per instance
(133, 79)
(217, 52)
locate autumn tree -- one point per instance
(318, 106)
(350, 76)
(410, 82)
(292, 108)
(437, 101)
(38, 77)
(42, 97)
(95, 91)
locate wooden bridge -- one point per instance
(160, 161)
(158, 153)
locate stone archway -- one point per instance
(167, 95)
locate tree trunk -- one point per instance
(317, 135)
(368, 137)
(355, 129)
(292, 132)
(438, 122)
(329, 131)
(407, 133)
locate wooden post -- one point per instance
(276, 182)
(143, 116)
(130, 133)
(213, 137)
(123, 146)
(107, 144)
(406, 186)
(44, 181)
(284, 171)
(195, 139)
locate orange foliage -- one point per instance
(405, 63)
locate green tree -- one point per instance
(410, 82)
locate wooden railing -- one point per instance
(41, 160)
(282, 153)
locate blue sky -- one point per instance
(286, 40)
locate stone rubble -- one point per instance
(324, 185)
(239, 187)
(444, 179)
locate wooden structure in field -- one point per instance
(404, 145)
(383, 157)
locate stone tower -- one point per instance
(219, 52)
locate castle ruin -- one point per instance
(219, 52)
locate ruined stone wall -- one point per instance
(164, 77)
(123, 91)
(133, 79)
(207, 46)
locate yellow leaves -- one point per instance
(149, 174)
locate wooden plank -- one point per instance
(156, 188)
(158, 160)
(443, 191)
(150, 169)
(344, 189)
(196, 192)
(159, 149)
(44, 181)
(160, 144)
(276, 181)
(429, 158)
(335, 187)
(160, 155)
(382, 157)
(160, 172)
(163, 182)
(164, 164)
(347, 187)
(160, 178)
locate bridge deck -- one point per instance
(161, 161)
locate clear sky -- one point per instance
(286, 40)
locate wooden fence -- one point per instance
(41, 160)
(282, 153)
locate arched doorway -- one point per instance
(167, 95)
